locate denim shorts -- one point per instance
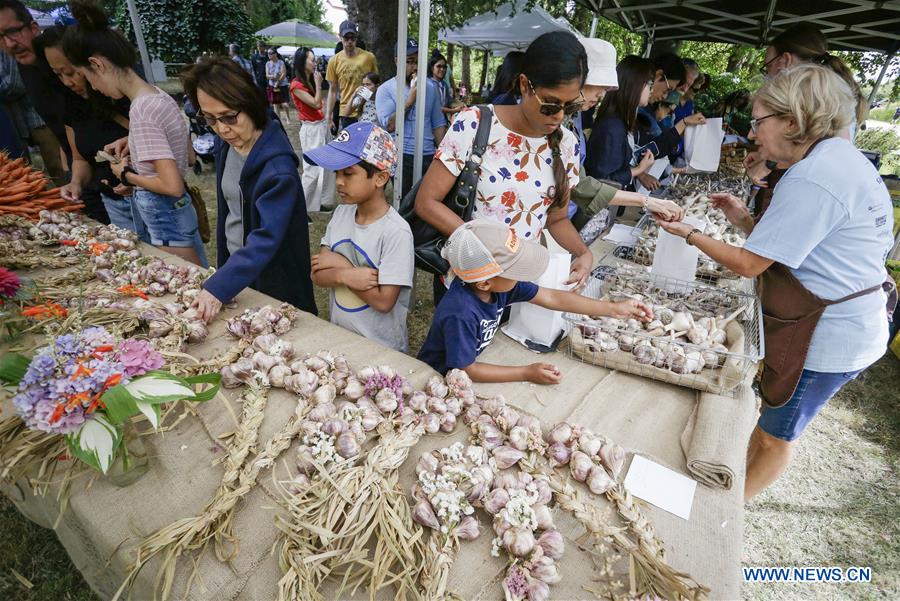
(121, 214)
(170, 221)
(814, 390)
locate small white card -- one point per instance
(623, 235)
(661, 486)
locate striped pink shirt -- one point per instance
(156, 131)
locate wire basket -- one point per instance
(627, 346)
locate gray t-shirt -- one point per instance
(386, 245)
(231, 190)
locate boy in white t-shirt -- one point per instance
(366, 258)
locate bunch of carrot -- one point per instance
(23, 191)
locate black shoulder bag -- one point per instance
(427, 241)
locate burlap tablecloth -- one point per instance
(103, 523)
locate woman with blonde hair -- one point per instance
(818, 251)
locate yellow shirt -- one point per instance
(348, 72)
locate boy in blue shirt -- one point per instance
(493, 268)
(366, 257)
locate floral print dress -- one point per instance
(516, 185)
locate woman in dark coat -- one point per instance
(262, 230)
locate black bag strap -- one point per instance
(471, 172)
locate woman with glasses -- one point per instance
(306, 92)
(261, 232)
(154, 157)
(532, 162)
(617, 137)
(818, 252)
(803, 43)
(437, 72)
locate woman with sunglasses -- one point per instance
(818, 252)
(315, 131)
(437, 72)
(262, 234)
(154, 157)
(531, 163)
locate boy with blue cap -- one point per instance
(366, 257)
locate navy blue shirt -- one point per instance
(463, 325)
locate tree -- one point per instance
(177, 32)
(263, 13)
(377, 22)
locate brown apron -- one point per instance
(790, 315)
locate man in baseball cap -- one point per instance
(493, 267)
(345, 73)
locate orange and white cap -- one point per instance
(480, 250)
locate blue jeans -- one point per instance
(170, 221)
(814, 390)
(122, 214)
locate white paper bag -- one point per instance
(674, 258)
(537, 325)
(656, 170)
(703, 145)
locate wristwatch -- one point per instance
(125, 171)
(690, 235)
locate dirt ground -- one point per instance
(837, 505)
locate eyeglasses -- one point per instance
(228, 120)
(440, 66)
(13, 31)
(668, 87)
(765, 68)
(549, 109)
(754, 123)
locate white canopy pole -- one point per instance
(887, 63)
(142, 46)
(421, 87)
(400, 114)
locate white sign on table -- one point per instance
(674, 258)
(665, 488)
(703, 145)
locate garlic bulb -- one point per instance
(598, 480)
(386, 400)
(717, 336)
(561, 433)
(436, 405)
(277, 375)
(496, 500)
(589, 444)
(552, 543)
(580, 466)
(334, 426)
(431, 422)
(229, 380)
(518, 542)
(325, 394)
(424, 514)
(612, 456)
(468, 528)
(543, 517)
(518, 438)
(448, 422)
(538, 590)
(697, 334)
(507, 456)
(418, 401)
(321, 412)
(546, 571)
(428, 462)
(347, 446)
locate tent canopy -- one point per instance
(848, 24)
(296, 33)
(510, 28)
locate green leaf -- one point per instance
(13, 367)
(152, 412)
(96, 443)
(159, 387)
(120, 405)
(215, 379)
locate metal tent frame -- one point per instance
(856, 25)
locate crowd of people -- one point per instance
(570, 130)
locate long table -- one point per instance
(103, 523)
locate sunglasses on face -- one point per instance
(548, 109)
(229, 119)
(440, 66)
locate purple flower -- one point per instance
(97, 336)
(138, 357)
(516, 583)
(40, 370)
(67, 344)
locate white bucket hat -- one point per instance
(601, 57)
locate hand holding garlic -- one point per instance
(630, 309)
(207, 306)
